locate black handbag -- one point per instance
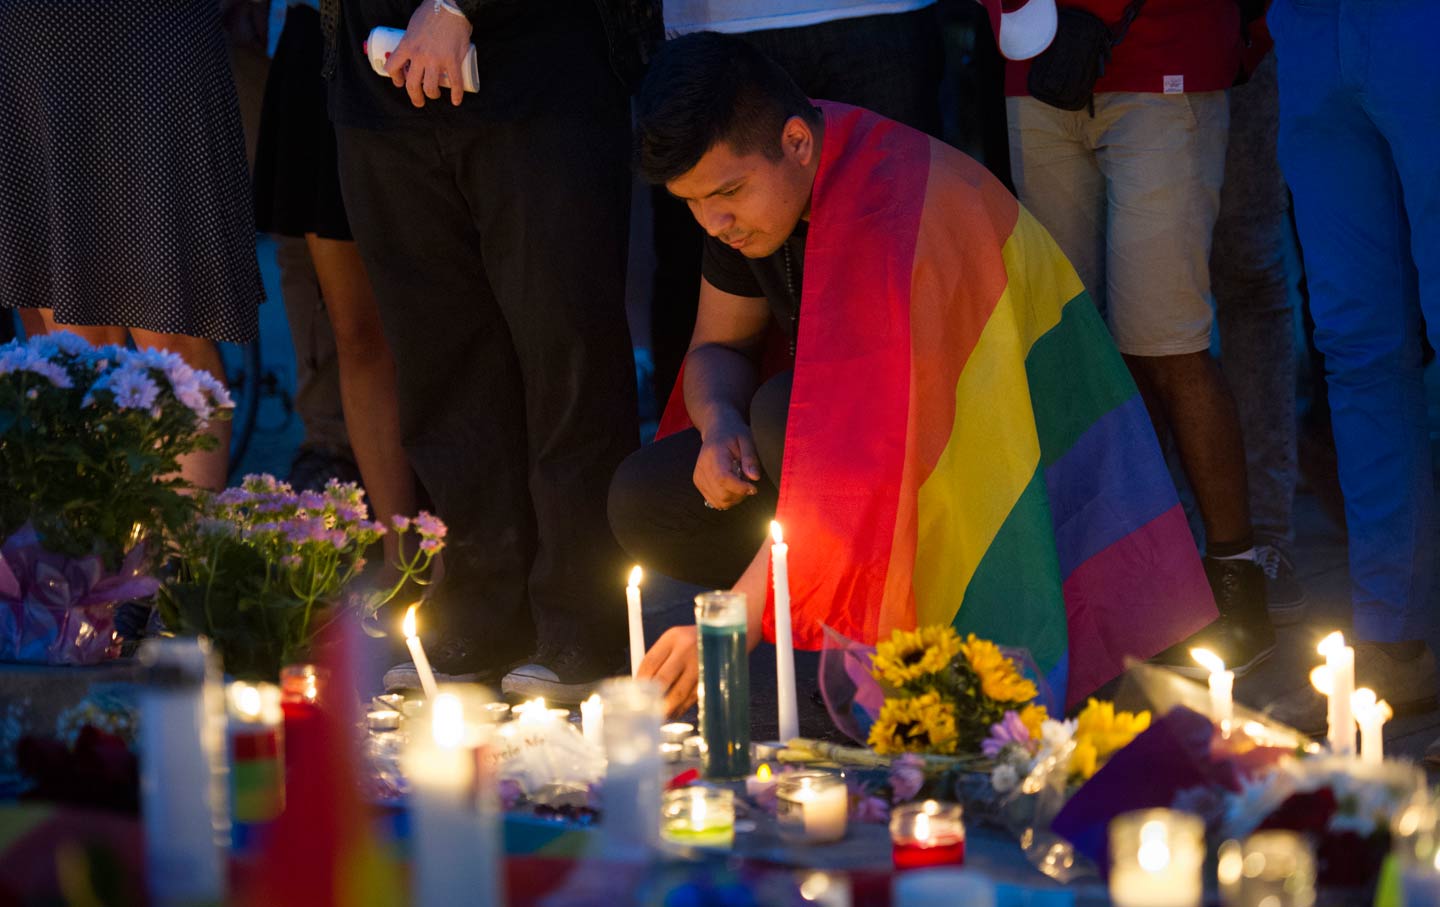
(1065, 73)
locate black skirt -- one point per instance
(124, 194)
(297, 180)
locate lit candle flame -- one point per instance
(922, 827)
(697, 813)
(636, 575)
(776, 532)
(1154, 853)
(763, 772)
(1320, 679)
(1332, 643)
(1363, 700)
(247, 700)
(1208, 660)
(408, 625)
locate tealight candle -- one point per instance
(382, 720)
(671, 752)
(699, 817)
(257, 767)
(928, 833)
(1156, 856)
(498, 711)
(417, 653)
(811, 807)
(694, 747)
(1340, 665)
(676, 731)
(760, 783)
(1222, 688)
(1371, 716)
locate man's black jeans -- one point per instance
(497, 253)
(661, 519)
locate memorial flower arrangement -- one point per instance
(1024, 740)
(944, 693)
(90, 441)
(265, 569)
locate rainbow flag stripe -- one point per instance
(964, 443)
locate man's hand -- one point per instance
(674, 661)
(727, 459)
(435, 45)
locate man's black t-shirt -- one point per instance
(529, 52)
(776, 277)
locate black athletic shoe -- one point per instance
(1284, 595)
(1243, 636)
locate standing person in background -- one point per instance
(124, 199)
(1129, 186)
(297, 194)
(493, 227)
(1257, 320)
(883, 55)
(1359, 87)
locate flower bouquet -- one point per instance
(89, 446)
(265, 569)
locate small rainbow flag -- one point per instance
(964, 443)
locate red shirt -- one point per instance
(1172, 46)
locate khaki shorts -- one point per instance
(1131, 195)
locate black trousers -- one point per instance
(889, 63)
(497, 254)
(661, 519)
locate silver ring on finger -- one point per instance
(710, 506)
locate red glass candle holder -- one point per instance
(928, 833)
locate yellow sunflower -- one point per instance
(906, 657)
(1032, 716)
(999, 678)
(915, 724)
(1100, 731)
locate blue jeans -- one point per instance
(1359, 124)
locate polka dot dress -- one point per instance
(124, 194)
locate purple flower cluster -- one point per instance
(17, 357)
(1011, 731)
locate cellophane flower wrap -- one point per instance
(265, 569)
(90, 441)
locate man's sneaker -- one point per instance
(1284, 595)
(1243, 635)
(1407, 683)
(453, 661)
(567, 675)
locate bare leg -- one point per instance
(93, 334)
(367, 378)
(203, 469)
(1187, 394)
(33, 322)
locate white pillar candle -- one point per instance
(454, 806)
(812, 807)
(417, 653)
(637, 626)
(1371, 715)
(1340, 660)
(633, 712)
(1222, 688)
(784, 643)
(592, 719)
(182, 772)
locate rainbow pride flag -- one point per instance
(964, 443)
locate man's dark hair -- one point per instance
(707, 88)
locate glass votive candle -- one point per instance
(928, 833)
(811, 807)
(257, 766)
(1271, 869)
(676, 731)
(698, 817)
(693, 748)
(630, 730)
(1156, 856)
(301, 686)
